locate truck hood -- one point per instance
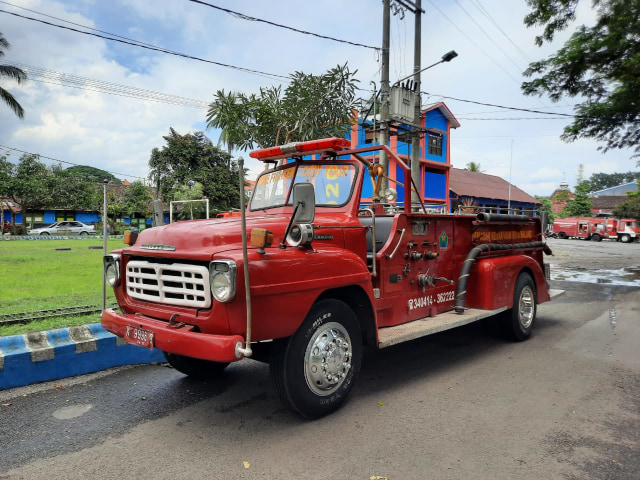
(202, 239)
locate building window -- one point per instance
(435, 144)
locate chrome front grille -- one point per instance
(169, 284)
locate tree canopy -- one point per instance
(311, 106)
(474, 167)
(12, 73)
(600, 181)
(600, 64)
(630, 208)
(33, 185)
(92, 174)
(192, 157)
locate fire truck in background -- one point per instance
(624, 230)
(321, 264)
(581, 227)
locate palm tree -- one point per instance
(474, 167)
(13, 73)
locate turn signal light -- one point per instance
(261, 237)
(130, 237)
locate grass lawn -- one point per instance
(36, 276)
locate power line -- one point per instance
(488, 36)
(70, 163)
(154, 48)
(514, 118)
(83, 83)
(255, 19)
(486, 13)
(455, 25)
(507, 108)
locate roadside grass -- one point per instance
(36, 276)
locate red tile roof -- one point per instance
(481, 185)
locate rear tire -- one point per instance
(596, 238)
(518, 322)
(562, 236)
(195, 367)
(314, 370)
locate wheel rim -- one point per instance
(328, 359)
(526, 307)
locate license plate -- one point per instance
(139, 336)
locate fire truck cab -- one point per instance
(623, 230)
(317, 268)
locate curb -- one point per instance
(41, 356)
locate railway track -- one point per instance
(27, 317)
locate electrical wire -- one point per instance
(255, 19)
(44, 75)
(154, 48)
(455, 25)
(504, 107)
(70, 163)
(486, 13)
(486, 34)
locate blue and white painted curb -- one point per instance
(41, 356)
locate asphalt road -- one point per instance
(462, 404)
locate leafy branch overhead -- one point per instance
(311, 106)
(599, 64)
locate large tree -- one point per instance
(32, 185)
(311, 106)
(599, 64)
(192, 157)
(12, 73)
(600, 181)
(92, 174)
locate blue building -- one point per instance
(435, 153)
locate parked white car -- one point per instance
(64, 228)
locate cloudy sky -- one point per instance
(84, 125)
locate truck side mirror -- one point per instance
(300, 229)
(304, 199)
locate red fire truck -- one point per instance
(321, 264)
(624, 230)
(580, 227)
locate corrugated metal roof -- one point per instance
(481, 185)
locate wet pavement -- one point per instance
(626, 276)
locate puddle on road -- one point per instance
(627, 276)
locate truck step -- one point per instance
(422, 327)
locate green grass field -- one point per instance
(36, 276)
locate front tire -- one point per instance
(596, 238)
(518, 322)
(195, 367)
(314, 370)
(625, 238)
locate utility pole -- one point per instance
(416, 130)
(384, 89)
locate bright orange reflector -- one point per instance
(261, 237)
(302, 148)
(130, 237)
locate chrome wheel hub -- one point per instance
(327, 359)
(526, 307)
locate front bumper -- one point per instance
(178, 339)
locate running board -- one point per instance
(422, 327)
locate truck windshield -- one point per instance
(333, 185)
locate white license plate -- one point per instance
(139, 336)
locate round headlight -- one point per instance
(111, 274)
(221, 286)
